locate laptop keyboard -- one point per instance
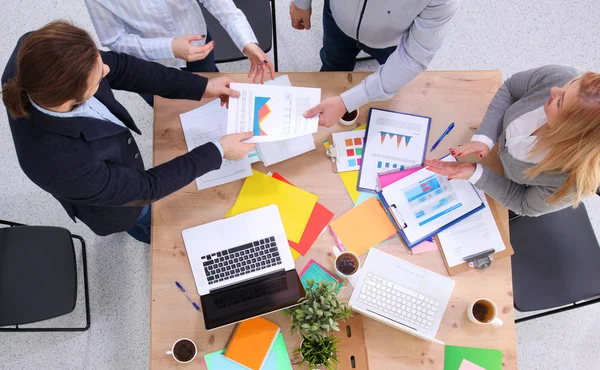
(398, 302)
(242, 260)
(250, 292)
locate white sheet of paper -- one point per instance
(395, 140)
(278, 151)
(472, 235)
(209, 123)
(272, 112)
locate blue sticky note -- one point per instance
(314, 271)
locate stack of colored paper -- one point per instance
(278, 359)
(317, 273)
(469, 358)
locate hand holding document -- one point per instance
(272, 112)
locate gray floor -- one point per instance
(510, 35)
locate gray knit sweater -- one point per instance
(521, 93)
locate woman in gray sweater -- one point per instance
(546, 122)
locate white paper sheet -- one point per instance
(394, 141)
(272, 112)
(472, 235)
(209, 123)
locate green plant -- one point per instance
(319, 352)
(318, 312)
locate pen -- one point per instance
(187, 296)
(443, 136)
(430, 239)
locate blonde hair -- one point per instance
(573, 144)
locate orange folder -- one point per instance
(251, 342)
(363, 227)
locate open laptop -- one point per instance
(401, 295)
(243, 267)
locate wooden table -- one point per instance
(459, 96)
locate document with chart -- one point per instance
(393, 141)
(426, 203)
(271, 112)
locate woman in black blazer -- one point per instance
(73, 138)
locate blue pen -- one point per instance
(187, 296)
(430, 239)
(443, 136)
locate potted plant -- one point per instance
(316, 315)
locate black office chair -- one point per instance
(38, 276)
(556, 262)
(260, 15)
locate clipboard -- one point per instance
(497, 210)
(343, 151)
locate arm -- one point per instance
(233, 21)
(136, 75)
(113, 34)
(522, 199)
(107, 184)
(416, 49)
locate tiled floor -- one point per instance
(510, 35)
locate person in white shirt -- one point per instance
(403, 35)
(174, 33)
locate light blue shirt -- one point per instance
(145, 28)
(93, 108)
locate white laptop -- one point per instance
(242, 266)
(401, 295)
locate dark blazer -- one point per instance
(94, 168)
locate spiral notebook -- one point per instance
(251, 342)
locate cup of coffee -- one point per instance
(184, 350)
(483, 312)
(346, 263)
(349, 118)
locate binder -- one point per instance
(435, 203)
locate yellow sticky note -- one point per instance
(363, 227)
(295, 205)
(295, 254)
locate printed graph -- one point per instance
(261, 112)
(353, 149)
(391, 135)
(389, 166)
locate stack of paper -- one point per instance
(317, 273)
(468, 358)
(278, 359)
(209, 123)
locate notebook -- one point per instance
(363, 227)
(393, 140)
(389, 177)
(455, 356)
(317, 273)
(425, 203)
(251, 342)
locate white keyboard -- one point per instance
(398, 302)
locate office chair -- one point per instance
(264, 28)
(556, 262)
(38, 276)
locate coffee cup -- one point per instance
(346, 263)
(483, 312)
(184, 350)
(349, 118)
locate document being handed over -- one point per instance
(272, 112)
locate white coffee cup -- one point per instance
(351, 122)
(352, 255)
(487, 312)
(172, 351)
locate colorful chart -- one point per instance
(261, 111)
(353, 150)
(399, 138)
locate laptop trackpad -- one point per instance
(408, 277)
(233, 232)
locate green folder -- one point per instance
(489, 359)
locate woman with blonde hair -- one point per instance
(546, 122)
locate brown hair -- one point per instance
(53, 67)
(573, 144)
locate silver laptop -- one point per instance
(401, 295)
(242, 266)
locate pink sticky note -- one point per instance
(468, 365)
(424, 246)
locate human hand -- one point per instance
(330, 110)
(300, 17)
(233, 146)
(472, 147)
(259, 62)
(219, 86)
(183, 49)
(454, 170)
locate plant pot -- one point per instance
(302, 355)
